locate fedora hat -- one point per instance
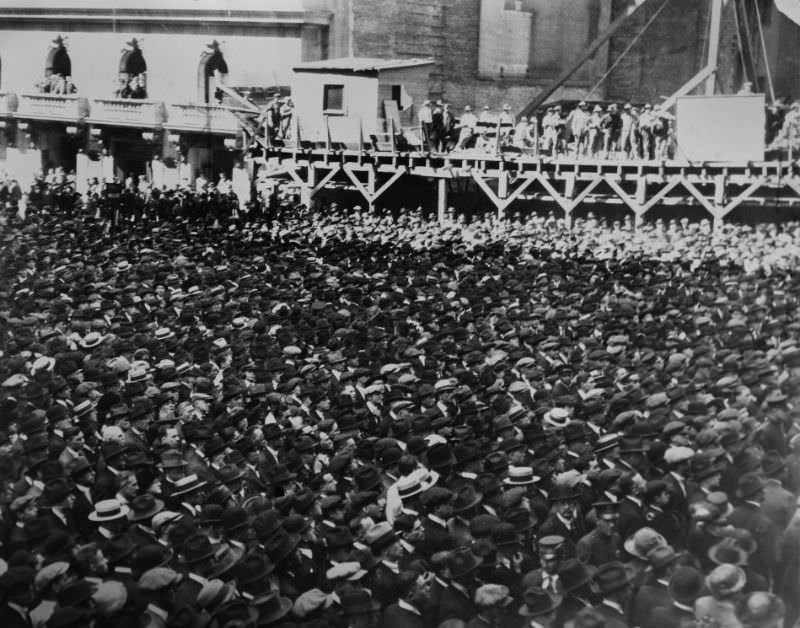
(196, 549)
(466, 497)
(253, 567)
(356, 602)
(460, 563)
(574, 573)
(749, 484)
(280, 546)
(538, 602)
(686, 584)
(144, 507)
(611, 577)
(225, 559)
(108, 510)
(272, 608)
(726, 579)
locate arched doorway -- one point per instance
(58, 61)
(212, 65)
(132, 72)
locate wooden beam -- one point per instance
(563, 203)
(400, 172)
(690, 187)
(359, 186)
(623, 195)
(519, 190)
(585, 192)
(587, 54)
(486, 189)
(747, 193)
(660, 194)
(324, 181)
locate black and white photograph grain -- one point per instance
(400, 313)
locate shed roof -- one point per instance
(359, 65)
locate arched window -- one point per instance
(132, 72)
(213, 67)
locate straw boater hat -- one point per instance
(108, 510)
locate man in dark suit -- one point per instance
(686, 584)
(17, 584)
(564, 519)
(748, 515)
(456, 601)
(409, 611)
(437, 502)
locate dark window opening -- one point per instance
(333, 98)
(59, 63)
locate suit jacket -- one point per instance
(595, 548)
(9, 618)
(437, 538)
(668, 617)
(455, 605)
(396, 617)
(631, 518)
(647, 598)
(612, 618)
(385, 583)
(778, 505)
(750, 517)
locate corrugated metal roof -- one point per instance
(356, 65)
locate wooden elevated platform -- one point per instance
(718, 187)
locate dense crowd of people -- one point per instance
(337, 418)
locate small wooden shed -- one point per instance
(350, 95)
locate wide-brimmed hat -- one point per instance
(728, 551)
(460, 563)
(196, 549)
(643, 541)
(272, 608)
(108, 510)
(144, 507)
(355, 602)
(225, 559)
(749, 484)
(574, 573)
(686, 584)
(466, 497)
(611, 577)
(538, 602)
(726, 580)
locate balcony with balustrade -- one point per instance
(195, 118)
(127, 112)
(53, 107)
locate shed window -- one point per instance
(333, 98)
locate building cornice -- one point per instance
(121, 17)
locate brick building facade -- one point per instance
(454, 33)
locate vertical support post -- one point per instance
(535, 136)
(641, 199)
(371, 188)
(502, 193)
(719, 201)
(441, 199)
(713, 45)
(308, 189)
(568, 218)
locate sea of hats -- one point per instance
(343, 419)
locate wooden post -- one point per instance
(441, 199)
(371, 188)
(502, 193)
(713, 45)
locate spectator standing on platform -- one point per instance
(522, 137)
(627, 134)
(466, 127)
(286, 112)
(437, 126)
(425, 118)
(646, 120)
(595, 131)
(578, 122)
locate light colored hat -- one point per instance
(108, 510)
(110, 597)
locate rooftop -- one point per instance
(359, 65)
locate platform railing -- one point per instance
(53, 107)
(128, 112)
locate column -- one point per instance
(441, 199)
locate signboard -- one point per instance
(720, 128)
